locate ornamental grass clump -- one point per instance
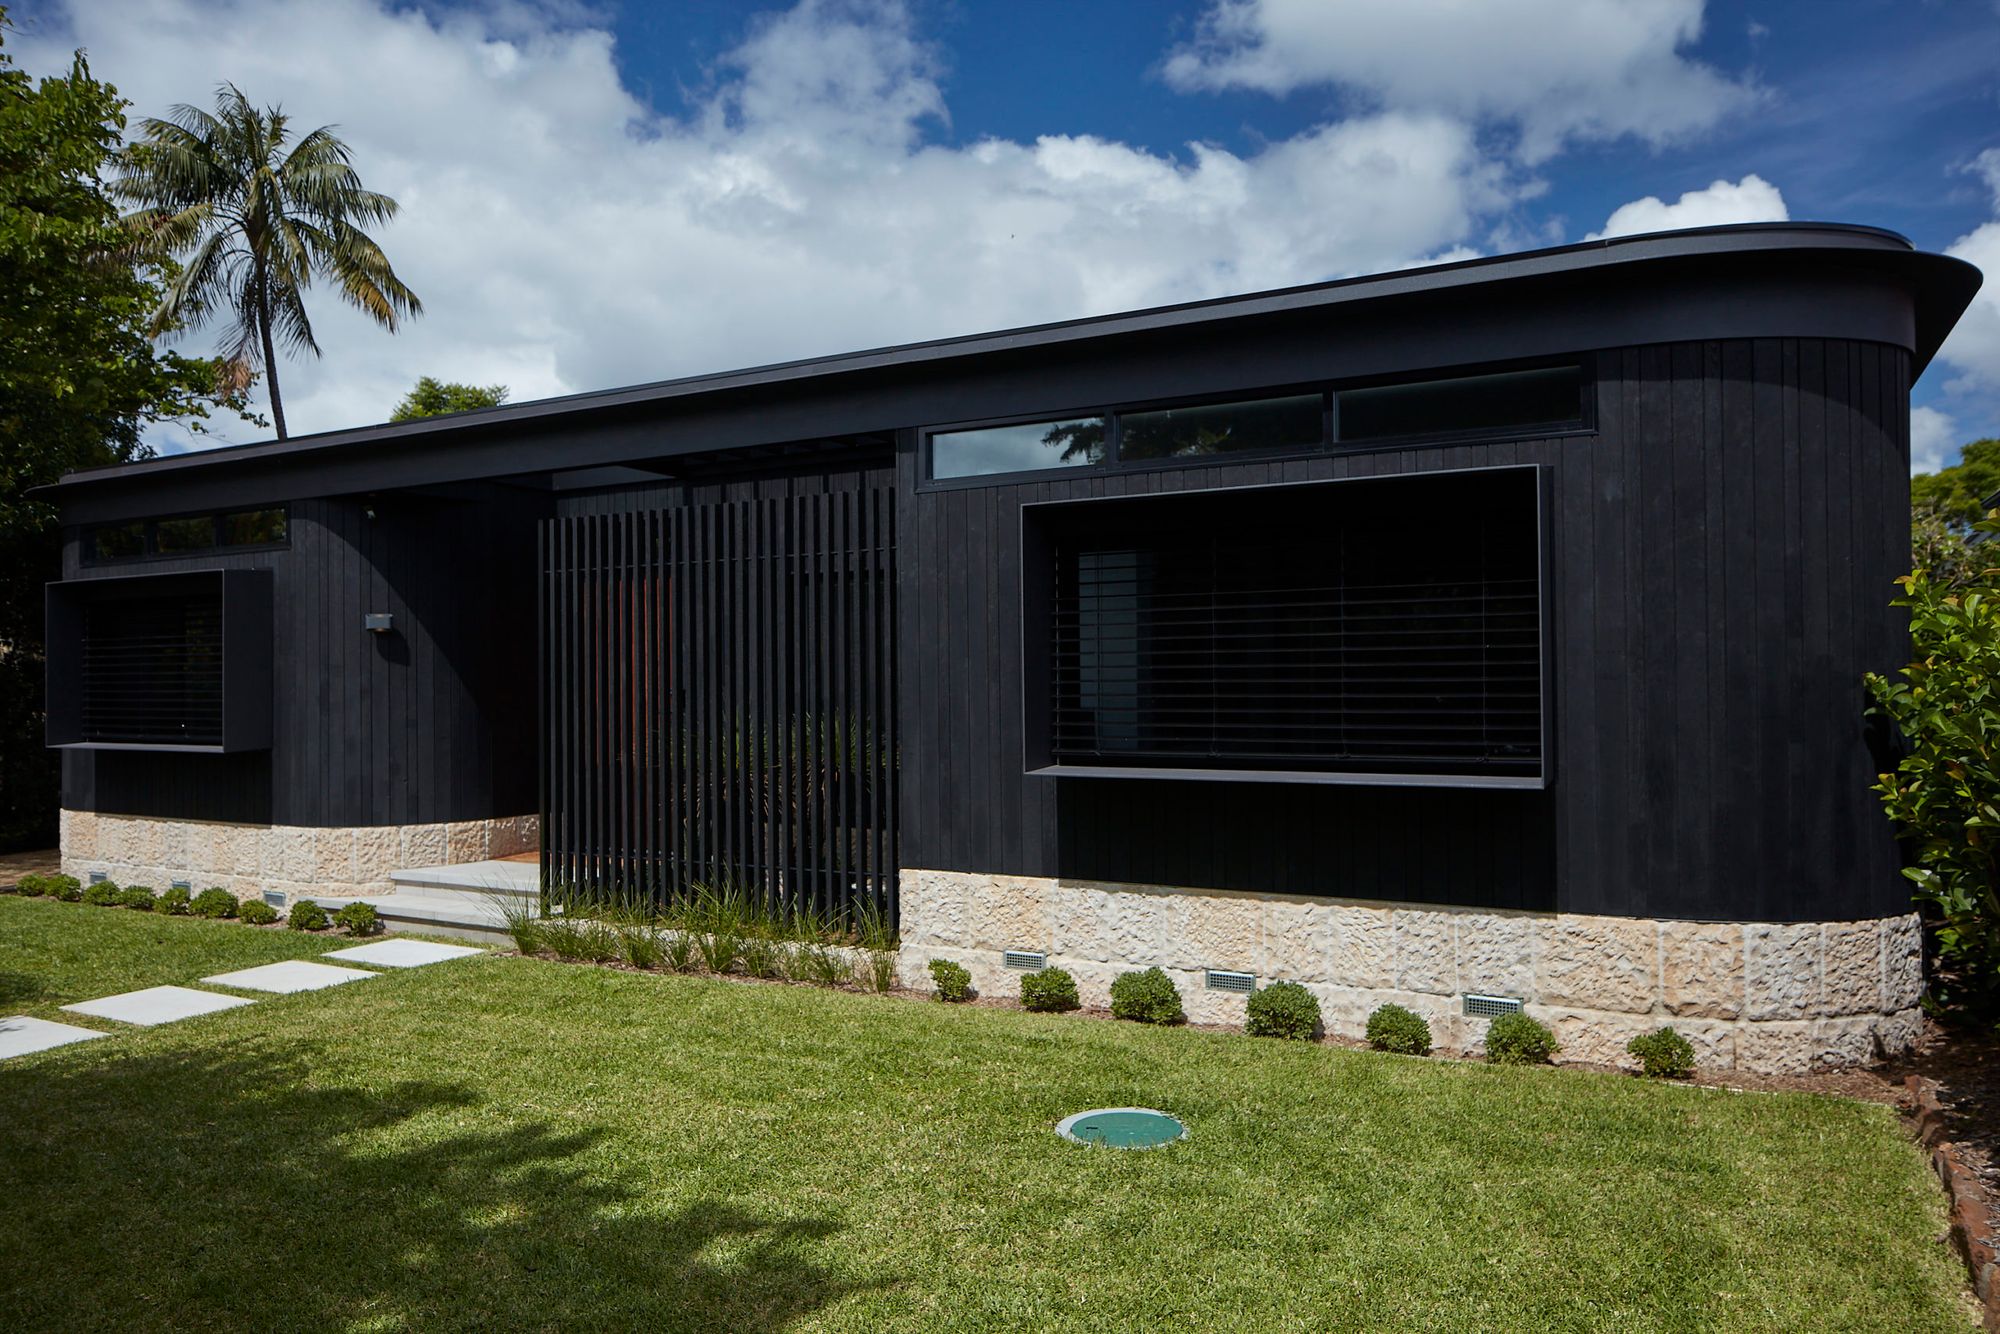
(257, 912)
(954, 983)
(1049, 991)
(215, 902)
(1663, 1054)
(1283, 1010)
(1395, 1029)
(307, 916)
(1148, 997)
(1515, 1039)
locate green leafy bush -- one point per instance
(1150, 997)
(1052, 990)
(1393, 1028)
(1515, 1039)
(1944, 795)
(357, 919)
(214, 902)
(306, 916)
(1283, 1010)
(174, 902)
(1663, 1053)
(954, 983)
(32, 886)
(138, 897)
(257, 912)
(65, 887)
(103, 894)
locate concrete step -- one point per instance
(518, 879)
(466, 914)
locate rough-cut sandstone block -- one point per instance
(1899, 1032)
(1851, 968)
(465, 841)
(79, 834)
(1093, 980)
(1775, 1047)
(333, 856)
(1209, 931)
(1426, 951)
(378, 850)
(913, 970)
(1839, 1043)
(297, 855)
(1598, 963)
(1206, 1006)
(1902, 963)
(1701, 968)
(1107, 925)
(1496, 953)
(1364, 946)
(1597, 1037)
(1344, 1011)
(1714, 1042)
(1781, 970)
(423, 845)
(1298, 941)
(1005, 912)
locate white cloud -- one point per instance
(1973, 349)
(1933, 435)
(1556, 69)
(566, 236)
(1752, 199)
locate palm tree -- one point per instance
(253, 224)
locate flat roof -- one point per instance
(1940, 288)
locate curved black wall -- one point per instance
(1722, 555)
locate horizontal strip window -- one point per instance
(1497, 403)
(1389, 627)
(189, 535)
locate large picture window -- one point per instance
(1381, 630)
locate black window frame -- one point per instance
(1038, 570)
(91, 558)
(1330, 443)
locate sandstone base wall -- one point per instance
(1768, 997)
(296, 860)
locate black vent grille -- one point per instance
(152, 670)
(1378, 628)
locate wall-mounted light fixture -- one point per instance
(378, 622)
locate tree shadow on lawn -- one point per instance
(17, 989)
(226, 1189)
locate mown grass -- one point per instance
(511, 1143)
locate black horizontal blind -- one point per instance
(152, 670)
(718, 702)
(1391, 627)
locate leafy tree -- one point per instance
(436, 398)
(1944, 795)
(80, 376)
(254, 223)
(1958, 494)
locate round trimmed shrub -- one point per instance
(257, 912)
(1515, 1039)
(103, 894)
(307, 916)
(357, 919)
(1283, 1010)
(65, 887)
(174, 902)
(1393, 1028)
(1052, 990)
(954, 983)
(32, 886)
(1149, 997)
(1663, 1053)
(138, 897)
(215, 902)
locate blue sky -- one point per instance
(613, 193)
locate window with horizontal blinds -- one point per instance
(1386, 627)
(152, 670)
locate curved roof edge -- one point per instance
(1941, 286)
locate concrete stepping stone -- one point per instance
(157, 1005)
(402, 953)
(21, 1034)
(288, 977)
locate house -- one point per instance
(1473, 636)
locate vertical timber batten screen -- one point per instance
(718, 703)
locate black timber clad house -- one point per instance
(1490, 629)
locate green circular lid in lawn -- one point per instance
(1122, 1128)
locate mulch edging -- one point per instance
(1975, 1226)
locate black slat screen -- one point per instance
(152, 670)
(1370, 627)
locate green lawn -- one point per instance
(506, 1143)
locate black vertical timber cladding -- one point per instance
(1722, 551)
(431, 722)
(721, 701)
